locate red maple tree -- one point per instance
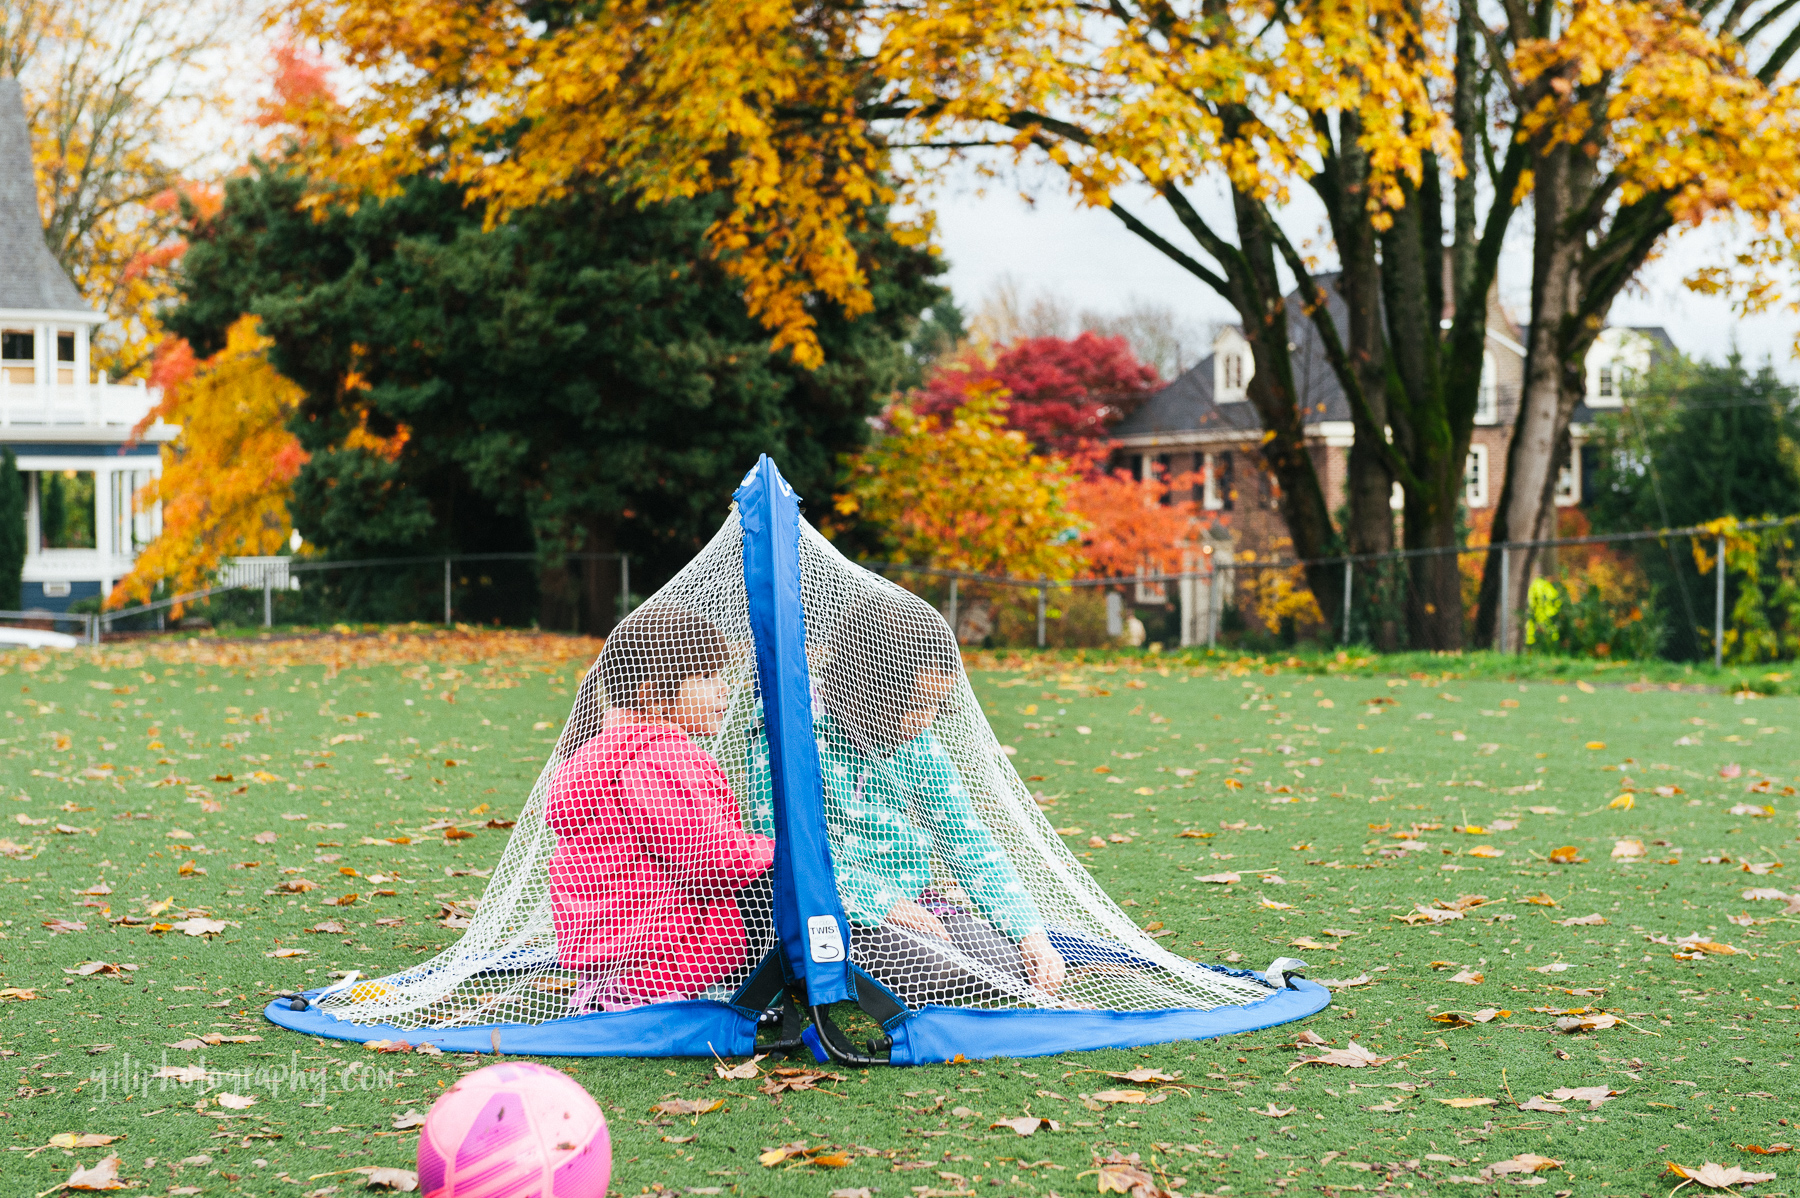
(1063, 393)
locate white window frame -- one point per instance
(1568, 480)
(1475, 478)
(1211, 499)
(1487, 400)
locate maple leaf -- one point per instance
(1025, 1125)
(687, 1106)
(331, 926)
(60, 927)
(1525, 1162)
(408, 1121)
(1581, 921)
(1308, 1036)
(1718, 1177)
(198, 926)
(1351, 1056)
(1224, 879)
(1628, 850)
(1759, 1150)
(1469, 977)
(1305, 942)
(1568, 854)
(792, 1078)
(1146, 1074)
(1463, 1104)
(380, 1177)
(1540, 1104)
(1121, 1174)
(747, 1071)
(1594, 1096)
(237, 1102)
(104, 1175)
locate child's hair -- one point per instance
(877, 651)
(659, 648)
(663, 646)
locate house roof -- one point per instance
(1186, 406)
(30, 276)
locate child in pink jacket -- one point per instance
(650, 847)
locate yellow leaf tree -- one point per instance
(226, 479)
(965, 492)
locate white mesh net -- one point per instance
(639, 869)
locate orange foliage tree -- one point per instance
(965, 492)
(1136, 525)
(226, 480)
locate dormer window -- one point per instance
(1233, 367)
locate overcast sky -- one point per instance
(1086, 256)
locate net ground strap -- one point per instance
(771, 983)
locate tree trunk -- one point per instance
(1554, 384)
(599, 583)
(1434, 613)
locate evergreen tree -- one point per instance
(582, 379)
(1697, 441)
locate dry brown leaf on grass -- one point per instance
(1594, 1096)
(1463, 1104)
(289, 952)
(1759, 1150)
(1026, 1125)
(1596, 1022)
(1465, 1018)
(1423, 914)
(407, 1122)
(1275, 1112)
(104, 968)
(182, 1073)
(1541, 1104)
(823, 1154)
(1351, 1056)
(1306, 942)
(1361, 979)
(198, 926)
(1628, 849)
(18, 994)
(237, 1102)
(1568, 854)
(1224, 879)
(1581, 921)
(1131, 1097)
(687, 1106)
(1718, 1177)
(1525, 1162)
(748, 1071)
(1140, 1076)
(388, 1045)
(1553, 967)
(401, 1181)
(1539, 900)
(1469, 977)
(63, 927)
(791, 1078)
(103, 1176)
(1122, 1174)
(329, 927)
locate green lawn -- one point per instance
(129, 749)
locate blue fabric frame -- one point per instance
(695, 1028)
(932, 1034)
(805, 883)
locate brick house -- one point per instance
(1203, 423)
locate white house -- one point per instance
(70, 429)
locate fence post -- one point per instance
(1043, 595)
(1505, 602)
(1719, 610)
(268, 598)
(1349, 580)
(953, 582)
(447, 621)
(624, 585)
(1215, 606)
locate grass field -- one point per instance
(126, 765)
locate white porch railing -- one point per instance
(72, 405)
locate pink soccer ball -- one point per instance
(513, 1130)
